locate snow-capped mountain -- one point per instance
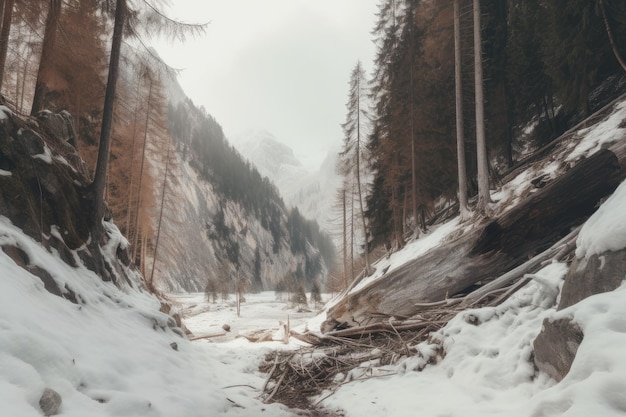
(312, 192)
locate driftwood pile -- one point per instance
(363, 352)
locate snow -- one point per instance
(599, 135)
(110, 355)
(4, 173)
(263, 311)
(487, 370)
(606, 229)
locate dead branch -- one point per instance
(207, 336)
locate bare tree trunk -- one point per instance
(481, 145)
(358, 182)
(345, 242)
(143, 160)
(24, 77)
(47, 53)
(618, 56)
(460, 134)
(156, 243)
(1, 11)
(107, 115)
(132, 170)
(352, 232)
(7, 15)
(413, 158)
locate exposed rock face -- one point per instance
(556, 345)
(45, 191)
(41, 188)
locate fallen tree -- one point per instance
(489, 250)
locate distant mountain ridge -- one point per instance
(313, 193)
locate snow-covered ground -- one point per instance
(263, 311)
(113, 354)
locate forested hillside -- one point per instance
(544, 66)
(192, 209)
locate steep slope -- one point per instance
(226, 223)
(534, 210)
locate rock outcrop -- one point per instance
(45, 191)
(556, 346)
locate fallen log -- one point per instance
(207, 336)
(516, 273)
(486, 252)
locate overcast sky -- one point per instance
(278, 65)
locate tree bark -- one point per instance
(484, 197)
(47, 56)
(7, 14)
(345, 240)
(107, 115)
(156, 243)
(358, 179)
(460, 134)
(143, 160)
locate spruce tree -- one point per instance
(353, 152)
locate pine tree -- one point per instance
(355, 131)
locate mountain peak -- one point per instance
(271, 157)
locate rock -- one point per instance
(557, 344)
(226, 327)
(59, 125)
(556, 347)
(174, 346)
(50, 402)
(593, 275)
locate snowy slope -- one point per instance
(111, 354)
(487, 368)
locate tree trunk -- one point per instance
(47, 56)
(129, 209)
(618, 56)
(107, 115)
(7, 14)
(484, 197)
(413, 157)
(156, 243)
(143, 160)
(460, 134)
(345, 242)
(358, 181)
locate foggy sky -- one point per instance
(278, 65)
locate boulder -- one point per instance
(558, 342)
(50, 402)
(556, 347)
(593, 275)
